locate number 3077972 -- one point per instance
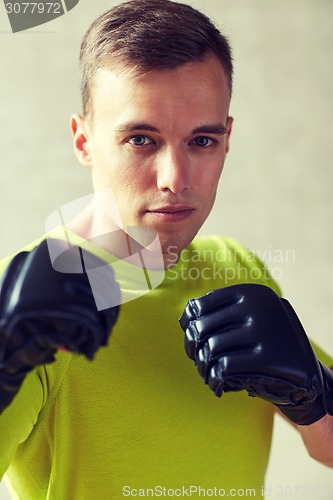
(33, 8)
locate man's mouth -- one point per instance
(171, 213)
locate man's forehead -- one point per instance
(121, 70)
(199, 90)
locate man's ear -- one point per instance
(80, 135)
(229, 128)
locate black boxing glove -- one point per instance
(42, 310)
(247, 337)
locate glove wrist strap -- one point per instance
(306, 413)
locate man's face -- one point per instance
(159, 141)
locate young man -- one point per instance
(155, 128)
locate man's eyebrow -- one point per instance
(217, 128)
(130, 126)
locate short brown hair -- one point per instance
(150, 35)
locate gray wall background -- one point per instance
(276, 191)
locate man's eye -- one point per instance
(140, 140)
(202, 141)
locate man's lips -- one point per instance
(171, 212)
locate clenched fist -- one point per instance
(42, 310)
(247, 337)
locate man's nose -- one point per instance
(172, 171)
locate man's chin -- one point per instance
(172, 246)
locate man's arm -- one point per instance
(318, 439)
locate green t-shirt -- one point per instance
(138, 420)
